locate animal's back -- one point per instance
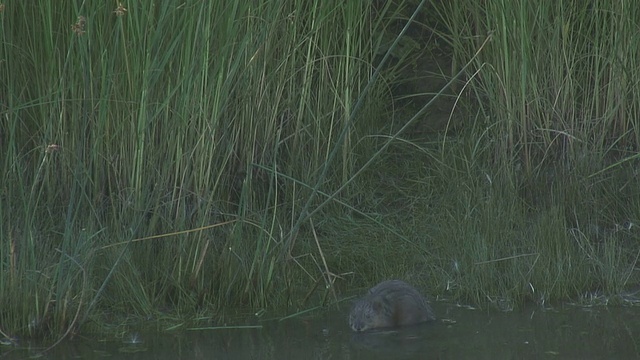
(391, 303)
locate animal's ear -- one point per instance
(377, 305)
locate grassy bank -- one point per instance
(553, 177)
(179, 161)
(142, 145)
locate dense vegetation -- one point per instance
(182, 160)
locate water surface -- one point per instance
(566, 332)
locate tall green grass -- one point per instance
(558, 77)
(187, 160)
(542, 203)
(156, 155)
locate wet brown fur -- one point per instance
(391, 303)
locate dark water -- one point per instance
(563, 333)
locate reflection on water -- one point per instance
(564, 333)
